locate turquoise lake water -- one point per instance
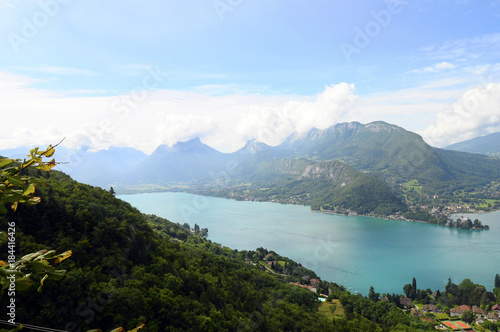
(356, 252)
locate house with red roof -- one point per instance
(314, 282)
(459, 311)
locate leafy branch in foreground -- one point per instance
(17, 188)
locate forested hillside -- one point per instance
(128, 268)
(122, 273)
(330, 186)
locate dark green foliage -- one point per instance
(491, 326)
(497, 280)
(386, 314)
(468, 316)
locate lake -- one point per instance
(356, 252)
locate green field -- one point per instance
(328, 308)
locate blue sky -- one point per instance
(144, 73)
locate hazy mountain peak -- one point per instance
(488, 145)
(192, 145)
(377, 126)
(252, 146)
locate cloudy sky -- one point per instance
(144, 73)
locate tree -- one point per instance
(407, 289)
(497, 280)
(468, 316)
(372, 295)
(112, 191)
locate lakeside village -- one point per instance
(438, 215)
(422, 214)
(434, 307)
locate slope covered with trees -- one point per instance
(325, 186)
(123, 273)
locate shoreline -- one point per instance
(407, 220)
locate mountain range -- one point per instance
(488, 145)
(348, 161)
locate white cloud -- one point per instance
(61, 71)
(37, 117)
(477, 112)
(272, 125)
(437, 67)
(174, 128)
(484, 46)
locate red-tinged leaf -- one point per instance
(118, 329)
(138, 328)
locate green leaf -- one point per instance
(8, 273)
(32, 256)
(23, 283)
(47, 166)
(5, 162)
(57, 275)
(29, 190)
(43, 279)
(38, 266)
(15, 181)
